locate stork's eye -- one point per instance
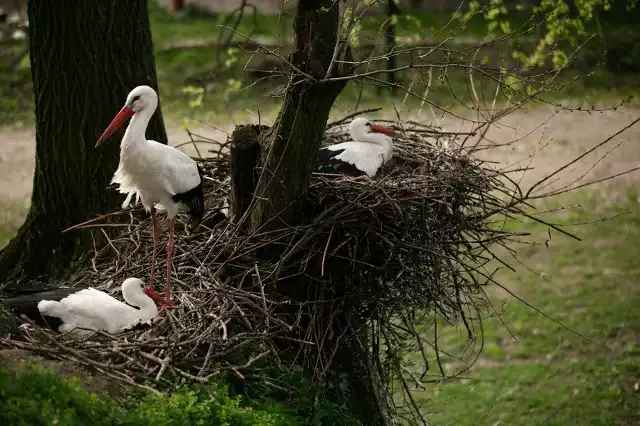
(135, 98)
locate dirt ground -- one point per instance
(555, 138)
(545, 140)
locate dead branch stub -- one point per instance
(245, 153)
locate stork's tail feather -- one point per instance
(51, 308)
(196, 207)
(127, 201)
(196, 213)
(193, 200)
(195, 220)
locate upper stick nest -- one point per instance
(412, 239)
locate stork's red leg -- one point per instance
(167, 289)
(156, 237)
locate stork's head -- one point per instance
(133, 286)
(142, 98)
(360, 128)
(133, 289)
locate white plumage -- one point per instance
(370, 148)
(95, 310)
(154, 172)
(158, 175)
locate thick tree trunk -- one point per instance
(289, 147)
(86, 55)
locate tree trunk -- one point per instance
(289, 147)
(86, 55)
(285, 160)
(392, 10)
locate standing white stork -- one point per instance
(156, 173)
(96, 310)
(370, 148)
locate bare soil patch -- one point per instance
(555, 138)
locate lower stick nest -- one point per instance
(387, 252)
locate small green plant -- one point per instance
(36, 396)
(560, 26)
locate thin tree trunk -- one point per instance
(392, 11)
(86, 55)
(289, 147)
(284, 165)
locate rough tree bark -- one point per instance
(86, 55)
(285, 161)
(288, 148)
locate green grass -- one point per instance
(11, 218)
(193, 23)
(550, 375)
(594, 392)
(33, 394)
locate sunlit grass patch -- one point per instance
(596, 391)
(579, 364)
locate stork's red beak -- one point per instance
(118, 121)
(154, 296)
(382, 129)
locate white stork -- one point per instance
(96, 310)
(156, 173)
(370, 148)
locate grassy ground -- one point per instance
(549, 375)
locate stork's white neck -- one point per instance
(148, 308)
(379, 139)
(136, 131)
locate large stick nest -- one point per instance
(381, 252)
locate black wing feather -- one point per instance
(27, 304)
(328, 163)
(193, 199)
